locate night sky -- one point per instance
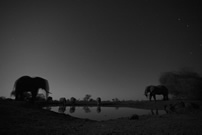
(106, 48)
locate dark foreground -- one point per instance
(25, 119)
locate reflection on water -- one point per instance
(72, 109)
(155, 112)
(98, 109)
(103, 113)
(61, 109)
(86, 109)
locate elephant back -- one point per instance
(41, 83)
(23, 82)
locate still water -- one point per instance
(103, 113)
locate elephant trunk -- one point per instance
(147, 90)
(145, 93)
(47, 89)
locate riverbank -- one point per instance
(24, 118)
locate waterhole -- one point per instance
(103, 113)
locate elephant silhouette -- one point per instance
(26, 84)
(98, 101)
(63, 101)
(73, 101)
(50, 99)
(156, 90)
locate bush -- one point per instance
(183, 83)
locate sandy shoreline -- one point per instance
(21, 118)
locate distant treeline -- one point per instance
(184, 83)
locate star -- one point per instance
(179, 19)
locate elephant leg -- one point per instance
(19, 96)
(152, 111)
(165, 97)
(154, 96)
(150, 97)
(22, 97)
(34, 94)
(157, 112)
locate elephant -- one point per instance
(73, 101)
(98, 101)
(27, 84)
(63, 101)
(49, 99)
(156, 90)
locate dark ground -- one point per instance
(20, 118)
